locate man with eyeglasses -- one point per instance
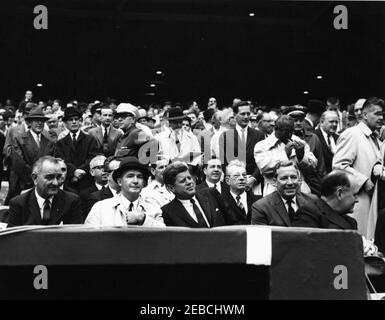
(133, 138)
(76, 149)
(100, 180)
(265, 123)
(282, 145)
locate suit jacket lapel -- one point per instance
(99, 134)
(31, 142)
(181, 211)
(34, 207)
(234, 205)
(249, 137)
(280, 208)
(205, 205)
(333, 216)
(57, 204)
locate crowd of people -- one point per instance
(108, 164)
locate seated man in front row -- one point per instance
(127, 207)
(45, 204)
(188, 209)
(280, 207)
(330, 211)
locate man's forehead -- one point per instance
(237, 170)
(114, 165)
(214, 162)
(242, 109)
(133, 171)
(287, 170)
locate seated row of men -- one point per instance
(173, 199)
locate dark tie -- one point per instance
(216, 186)
(46, 212)
(290, 210)
(74, 139)
(374, 137)
(329, 141)
(201, 221)
(240, 204)
(130, 207)
(105, 137)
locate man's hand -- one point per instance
(250, 182)
(288, 148)
(378, 170)
(299, 149)
(369, 185)
(79, 173)
(134, 217)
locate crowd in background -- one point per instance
(111, 164)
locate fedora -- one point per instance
(36, 114)
(175, 113)
(71, 112)
(131, 163)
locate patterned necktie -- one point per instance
(130, 208)
(46, 212)
(201, 221)
(240, 204)
(290, 210)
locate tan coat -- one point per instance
(356, 153)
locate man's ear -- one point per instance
(119, 182)
(34, 177)
(227, 179)
(205, 170)
(274, 182)
(92, 173)
(152, 171)
(339, 193)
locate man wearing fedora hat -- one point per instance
(127, 207)
(177, 144)
(76, 149)
(30, 146)
(133, 137)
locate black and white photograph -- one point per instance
(190, 157)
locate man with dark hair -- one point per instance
(357, 150)
(282, 145)
(213, 173)
(27, 99)
(95, 116)
(314, 110)
(105, 134)
(265, 123)
(128, 207)
(327, 134)
(45, 204)
(280, 207)
(333, 104)
(76, 149)
(195, 123)
(331, 210)
(239, 143)
(188, 209)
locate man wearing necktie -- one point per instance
(280, 207)
(30, 146)
(45, 204)
(328, 136)
(127, 207)
(189, 208)
(357, 151)
(212, 168)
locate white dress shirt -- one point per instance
(211, 185)
(189, 207)
(243, 200)
(294, 204)
(332, 145)
(36, 137)
(40, 202)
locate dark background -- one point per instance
(97, 49)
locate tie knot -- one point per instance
(192, 201)
(47, 203)
(238, 197)
(131, 206)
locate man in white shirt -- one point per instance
(128, 207)
(188, 209)
(156, 192)
(213, 172)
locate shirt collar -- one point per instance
(239, 128)
(242, 195)
(34, 135)
(188, 201)
(71, 134)
(40, 200)
(294, 200)
(365, 129)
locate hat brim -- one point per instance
(36, 118)
(177, 118)
(118, 172)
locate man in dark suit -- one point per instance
(213, 172)
(100, 181)
(328, 136)
(239, 143)
(76, 149)
(330, 211)
(106, 135)
(280, 207)
(235, 202)
(29, 147)
(45, 204)
(188, 209)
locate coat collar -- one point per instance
(365, 129)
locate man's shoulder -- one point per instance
(21, 198)
(169, 205)
(267, 200)
(94, 130)
(68, 195)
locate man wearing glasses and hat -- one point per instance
(133, 138)
(128, 207)
(30, 146)
(76, 149)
